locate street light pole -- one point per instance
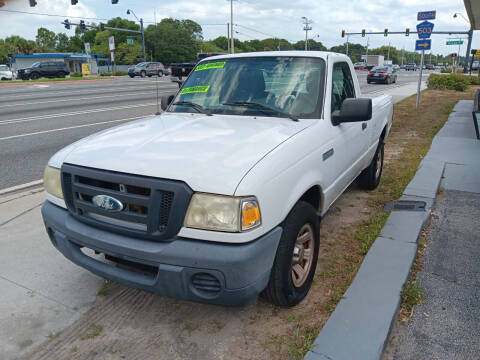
(469, 46)
(307, 28)
(142, 33)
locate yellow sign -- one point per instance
(86, 69)
(477, 53)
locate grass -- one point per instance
(53, 335)
(93, 332)
(104, 291)
(410, 138)
(54, 79)
(412, 294)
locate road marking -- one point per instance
(79, 99)
(51, 116)
(41, 86)
(20, 187)
(70, 127)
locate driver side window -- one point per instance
(343, 86)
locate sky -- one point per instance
(257, 19)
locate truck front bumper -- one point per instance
(217, 273)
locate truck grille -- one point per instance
(152, 208)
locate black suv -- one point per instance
(44, 69)
(147, 69)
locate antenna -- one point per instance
(155, 50)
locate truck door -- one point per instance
(354, 136)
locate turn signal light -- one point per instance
(370, 73)
(384, 74)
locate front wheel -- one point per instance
(369, 178)
(34, 76)
(296, 259)
(143, 74)
(160, 73)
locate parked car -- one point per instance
(430, 67)
(5, 73)
(411, 67)
(149, 69)
(360, 66)
(180, 71)
(218, 199)
(396, 67)
(50, 69)
(384, 74)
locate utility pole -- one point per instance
(403, 52)
(388, 54)
(142, 34)
(228, 37)
(307, 28)
(232, 46)
(347, 45)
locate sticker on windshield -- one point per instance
(213, 65)
(195, 89)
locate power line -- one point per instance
(52, 15)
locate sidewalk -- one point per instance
(42, 292)
(446, 325)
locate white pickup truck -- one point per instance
(218, 199)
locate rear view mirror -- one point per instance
(353, 110)
(166, 100)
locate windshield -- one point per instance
(37, 64)
(4, 68)
(140, 64)
(288, 85)
(380, 69)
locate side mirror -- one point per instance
(353, 110)
(166, 100)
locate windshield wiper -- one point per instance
(262, 107)
(197, 107)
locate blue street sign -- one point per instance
(425, 30)
(426, 15)
(424, 44)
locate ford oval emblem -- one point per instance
(107, 203)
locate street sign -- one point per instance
(425, 30)
(111, 43)
(130, 41)
(86, 69)
(455, 42)
(87, 48)
(424, 44)
(426, 15)
(477, 53)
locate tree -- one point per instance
(221, 42)
(129, 53)
(17, 45)
(172, 41)
(63, 43)
(46, 39)
(3, 52)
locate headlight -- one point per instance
(27, 70)
(52, 182)
(222, 213)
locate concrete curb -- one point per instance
(360, 325)
(22, 187)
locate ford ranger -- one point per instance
(219, 198)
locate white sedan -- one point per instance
(5, 73)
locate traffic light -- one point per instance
(33, 3)
(74, 2)
(454, 55)
(407, 32)
(114, 2)
(343, 33)
(67, 24)
(82, 25)
(385, 33)
(363, 33)
(101, 26)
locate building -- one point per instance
(74, 61)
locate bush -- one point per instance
(450, 82)
(446, 71)
(76, 74)
(117, 73)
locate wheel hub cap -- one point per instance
(302, 255)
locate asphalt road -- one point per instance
(36, 120)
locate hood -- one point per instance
(209, 153)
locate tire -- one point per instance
(61, 74)
(284, 287)
(34, 76)
(149, 75)
(370, 177)
(395, 80)
(160, 73)
(368, 81)
(143, 74)
(131, 76)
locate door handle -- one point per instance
(364, 126)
